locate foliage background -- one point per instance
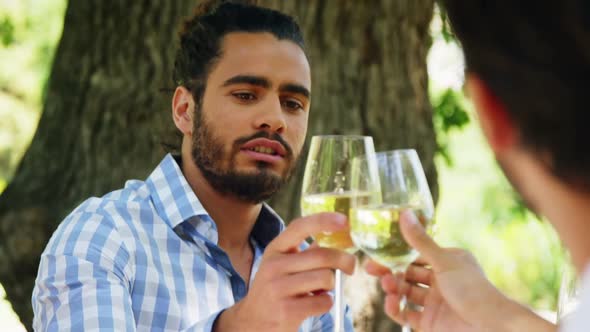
(29, 33)
(477, 209)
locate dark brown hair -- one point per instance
(201, 37)
(535, 57)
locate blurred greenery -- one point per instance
(6, 31)
(477, 210)
(445, 31)
(449, 114)
(29, 33)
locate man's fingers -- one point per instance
(417, 237)
(314, 245)
(304, 283)
(421, 261)
(312, 259)
(417, 295)
(395, 284)
(376, 269)
(392, 309)
(413, 318)
(419, 275)
(309, 305)
(302, 228)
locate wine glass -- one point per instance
(375, 222)
(326, 188)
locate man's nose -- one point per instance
(271, 117)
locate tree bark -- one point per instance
(101, 124)
(369, 77)
(104, 116)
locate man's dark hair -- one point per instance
(535, 57)
(202, 34)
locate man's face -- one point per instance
(250, 126)
(502, 136)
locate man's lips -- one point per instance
(265, 147)
(258, 156)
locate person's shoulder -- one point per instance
(119, 203)
(111, 215)
(88, 223)
(134, 192)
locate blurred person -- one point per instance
(527, 68)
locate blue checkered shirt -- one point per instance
(145, 258)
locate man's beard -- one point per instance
(255, 187)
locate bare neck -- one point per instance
(569, 212)
(234, 218)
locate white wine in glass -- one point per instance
(375, 223)
(326, 188)
(376, 230)
(333, 202)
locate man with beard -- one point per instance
(528, 65)
(194, 248)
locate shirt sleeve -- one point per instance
(325, 323)
(83, 283)
(579, 319)
(205, 325)
(85, 280)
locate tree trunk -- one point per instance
(100, 125)
(369, 77)
(104, 115)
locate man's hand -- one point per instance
(452, 290)
(290, 284)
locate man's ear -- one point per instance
(496, 123)
(183, 108)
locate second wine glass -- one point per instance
(327, 188)
(375, 227)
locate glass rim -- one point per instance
(395, 152)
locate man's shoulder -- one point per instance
(134, 195)
(112, 215)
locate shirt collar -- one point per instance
(268, 226)
(176, 203)
(171, 194)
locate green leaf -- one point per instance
(6, 31)
(449, 114)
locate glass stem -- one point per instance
(338, 309)
(403, 304)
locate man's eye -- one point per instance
(292, 105)
(245, 96)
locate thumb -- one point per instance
(416, 236)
